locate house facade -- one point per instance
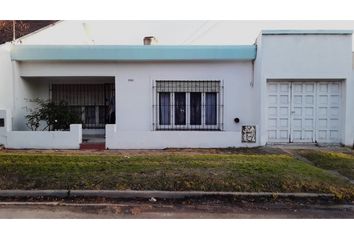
(290, 86)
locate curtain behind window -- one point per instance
(210, 109)
(164, 114)
(196, 113)
(180, 108)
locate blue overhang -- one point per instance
(132, 53)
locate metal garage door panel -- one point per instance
(278, 111)
(303, 111)
(329, 95)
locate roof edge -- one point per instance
(132, 52)
(308, 32)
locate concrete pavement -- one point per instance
(45, 210)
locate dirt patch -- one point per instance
(244, 150)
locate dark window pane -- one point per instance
(210, 108)
(196, 102)
(103, 116)
(164, 108)
(180, 108)
(90, 114)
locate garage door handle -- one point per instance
(292, 111)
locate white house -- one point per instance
(290, 86)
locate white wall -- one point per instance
(6, 78)
(134, 97)
(45, 139)
(39, 139)
(306, 56)
(352, 107)
(6, 115)
(297, 57)
(257, 85)
(168, 32)
(286, 57)
(116, 139)
(23, 92)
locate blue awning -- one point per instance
(132, 53)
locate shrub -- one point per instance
(56, 116)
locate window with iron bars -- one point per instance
(188, 105)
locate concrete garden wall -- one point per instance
(39, 139)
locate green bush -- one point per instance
(56, 116)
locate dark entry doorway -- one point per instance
(93, 103)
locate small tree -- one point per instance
(56, 116)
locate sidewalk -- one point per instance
(186, 210)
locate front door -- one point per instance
(304, 111)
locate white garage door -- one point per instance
(304, 111)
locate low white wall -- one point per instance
(41, 139)
(45, 139)
(5, 114)
(172, 139)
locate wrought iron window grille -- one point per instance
(188, 105)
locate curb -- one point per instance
(34, 193)
(131, 194)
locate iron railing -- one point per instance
(93, 103)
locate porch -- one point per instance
(90, 99)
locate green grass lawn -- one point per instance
(169, 171)
(343, 163)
